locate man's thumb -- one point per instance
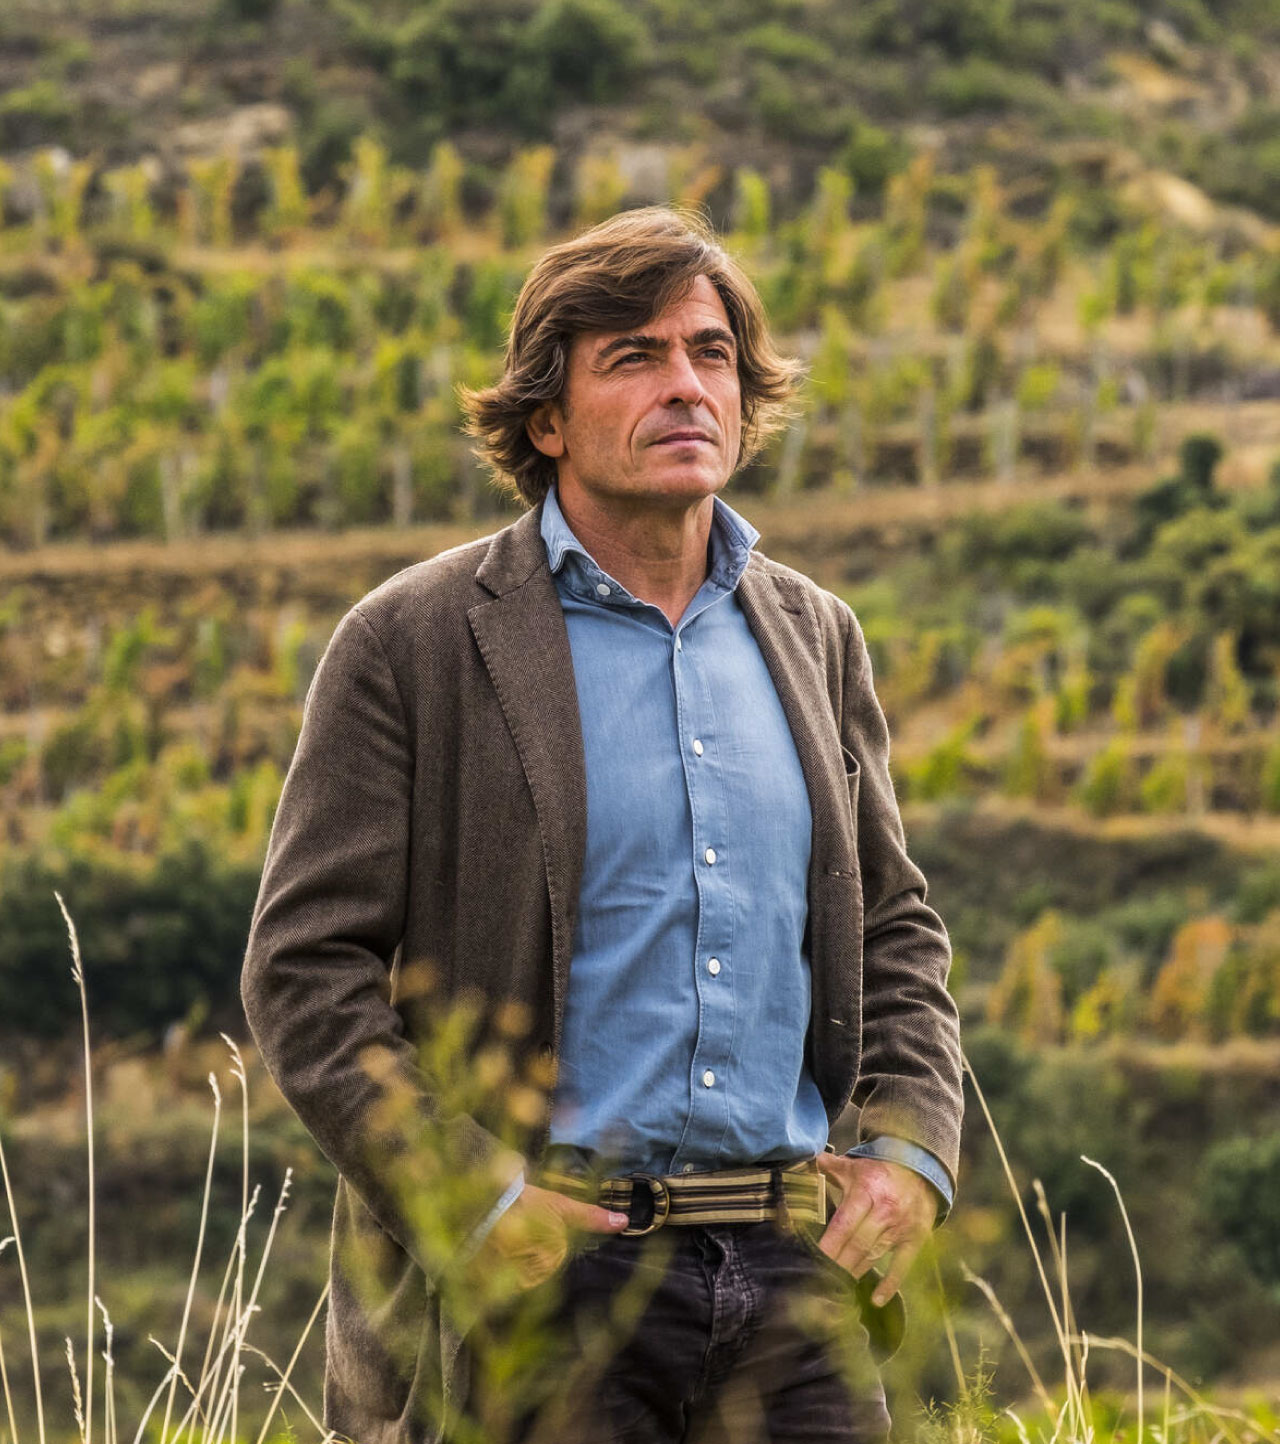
(592, 1217)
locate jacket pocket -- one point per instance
(849, 849)
(852, 777)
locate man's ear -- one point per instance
(545, 428)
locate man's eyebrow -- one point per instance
(708, 334)
(627, 343)
(639, 342)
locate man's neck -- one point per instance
(658, 553)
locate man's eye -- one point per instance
(628, 356)
(716, 353)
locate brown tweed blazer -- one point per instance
(435, 810)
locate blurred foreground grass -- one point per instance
(197, 1323)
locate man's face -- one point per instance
(652, 413)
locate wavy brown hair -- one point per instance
(617, 275)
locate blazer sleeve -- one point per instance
(316, 983)
(909, 1084)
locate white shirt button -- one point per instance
(688, 1168)
(679, 645)
(708, 1079)
(697, 748)
(603, 589)
(710, 856)
(713, 967)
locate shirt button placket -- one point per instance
(702, 788)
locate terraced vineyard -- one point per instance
(1043, 470)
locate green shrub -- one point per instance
(1032, 531)
(166, 935)
(1165, 787)
(980, 84)
(39, 114)
(1242, 1194)
(1190, 489)
(251, 10)
(522, 200)
(474, 62)
(318, 311)
(221, 318)
(947, 770)
(328, 137)
(793, 105)
(1270, 790)
(358, 460)
(871, 155)
(455, 60)
(1244, 995)
(785, 45)
(13, 753)
(490, 289)
(587, 49)
(1109, 784)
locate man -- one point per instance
(615, 771)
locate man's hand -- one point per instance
(885, 1208)
(534, 1234)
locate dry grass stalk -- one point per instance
(212, 1383)
(209, 1396)
(953, 1347)
(997, 1308)
(237, 1072)
(195, 1267)
(109, 1406)
(252, 1307)
(26, 1295)
(77, 1401)
(1200, 1406)
(283, 1386)
(1075, 1343)
(1074, 1404)
(284, 1383)
(222, 1293)
(77, 974)
(1137, 1269)
(4, 1370)
(173, 1372)
(212, 1415)
(1082, 1426)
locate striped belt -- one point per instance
(790, 1195)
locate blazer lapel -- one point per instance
(786, 630)
(525, 646)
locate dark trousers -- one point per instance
(717, 1334)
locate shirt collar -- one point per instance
(732, 538)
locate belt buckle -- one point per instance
(660, 1202)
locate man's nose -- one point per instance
(681, 381)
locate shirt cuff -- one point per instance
(912, 1156)
(482, 1230)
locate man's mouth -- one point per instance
(677, 436)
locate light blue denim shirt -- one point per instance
(688, 1000)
